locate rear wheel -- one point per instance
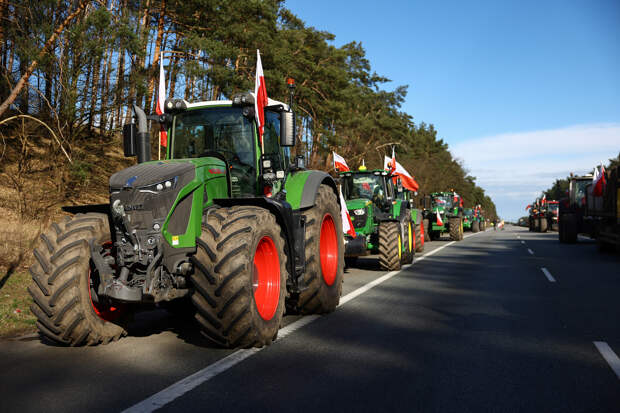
(570, 228)
(455, 229)
(239, 277)
(543, 224)
(475, 226)
(561, 232)
(425, 224)
(65, 284)
(324, 256)
(420, 235)
(389, 246)
(409, 242)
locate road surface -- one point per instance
(501, 321)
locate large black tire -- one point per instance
(229, 276)
(561, 232)
(409, 248)
(427, 235)
(554, 226)
(570, 228)
(389, 254)
(420, 237)
(536, 224)
(543, 224)
(455, 229)
(65, 279)
(475, 227)
(324, 285)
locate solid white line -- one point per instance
(530, 251)
(548, 275)
(610, 357)
(176, 390)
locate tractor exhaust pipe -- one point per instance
(143, 144)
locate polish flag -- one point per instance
(439, 221)
(260, 97)
(161, 97)
(393, 161)
(347, 225)
(408, 181)
(598, 181)
(544, 199)
(339, 163)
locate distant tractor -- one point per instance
(227, 224)
(597, 216)
(468, 220)
(552, 214)
(383, 222)
(444, 211)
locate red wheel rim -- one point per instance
(328, 250)
(422, 234)
(105, 311)
(266, 278)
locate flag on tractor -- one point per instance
(340, 164)
(161, 97)
(408, 181)
(260, 97)
(598, 181)
(439, 221)
(528, 207)
(544, 199)
(347, 225)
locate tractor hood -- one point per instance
(151, 173)
(358, 203)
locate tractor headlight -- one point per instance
(358, 212)
(160, 186)
(117, 208)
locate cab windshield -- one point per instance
(553, 207)
(469, 211)
(365, 186)
(224, 130)
(442, 201)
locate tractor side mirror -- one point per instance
(287, 129)
(130, 133)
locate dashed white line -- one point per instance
(530, 251)
(522, 242)
(176, 390)
(548, 275)
(610, 357)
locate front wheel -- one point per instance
(427, 232)
(420, 236)
(324, 256)
(390, 245)
(65, 284)
(239, 277)
(456, 229)
(475, 227)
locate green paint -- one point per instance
(295, 185)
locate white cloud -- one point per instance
(515, 167)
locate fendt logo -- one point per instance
(137, 207)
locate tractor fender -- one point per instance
(416, 215)
(302, 188)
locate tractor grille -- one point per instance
(359, 221)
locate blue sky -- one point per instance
(496, 74)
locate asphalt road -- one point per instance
(471, 326)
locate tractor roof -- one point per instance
(366, 172)
(206, 103)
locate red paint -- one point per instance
(328, 250)
(216, 171)
(266, 278)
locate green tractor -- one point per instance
(468, 219)
(383, 221)
(478, 222)
(444, 211)
(226, 227)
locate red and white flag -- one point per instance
(544, 199)
(161, 97)
(339, 163)
(393, 165)
(260, 97)
(439, 221)
(347, 225)
(598, 181)
(408, 181)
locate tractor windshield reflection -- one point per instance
(442, 201)
(366, 186)
(224, 130)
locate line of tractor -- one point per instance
(227, 228)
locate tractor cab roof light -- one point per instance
(174, 105)
(243, 99)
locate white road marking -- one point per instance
(548, 275)
(519, 236)
(530, 251)
(522, 242)
(610, 357)
(178, 389)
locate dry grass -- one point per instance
(36, 180)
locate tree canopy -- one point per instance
(82, 63)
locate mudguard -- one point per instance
(302, 187)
